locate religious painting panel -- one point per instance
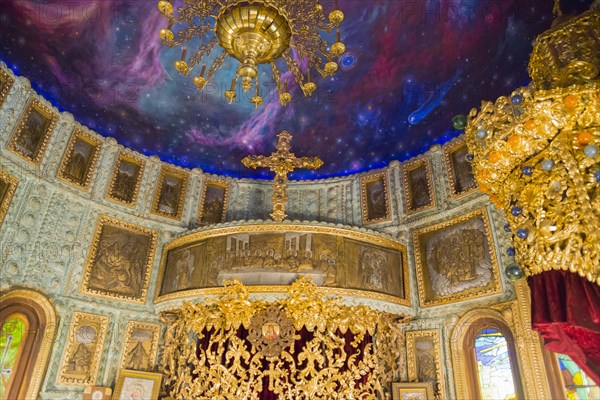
(119, 261)
(460, 172)
(80, 159)
(418, 185)
(375, 198)
(456, 260)
(412, 391)
(271, 258)
(425, 359)
(6, 82)
(125, 179)
(141, 346)
(137, 385)
(213, 202)
(32, 134)
(83, 350)
(170, 193)
(8, 187)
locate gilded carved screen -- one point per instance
(274, 258)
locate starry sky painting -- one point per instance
(410, 66)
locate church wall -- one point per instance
(48, 230)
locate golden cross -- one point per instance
(282, 162)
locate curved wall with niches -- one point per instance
(72, 196)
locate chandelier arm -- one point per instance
(216, 64)
(277, 78)
(294, 68)
(203, 51)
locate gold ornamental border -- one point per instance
(177, 173)
(411, 340)
(408, 194)
(214, 182)
(89, 263)
(47, 112)
(420, 263)
(373, 177)
(364, 237)
(80, 134)
(449, 150)
(12, 188)
(6, 83)
(132, 159)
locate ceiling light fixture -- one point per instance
(254, 32)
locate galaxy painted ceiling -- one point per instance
(410, 66)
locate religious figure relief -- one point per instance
(6, 82)
(424, 358)
(280, 258)
(418, 186)
(119, 261)
(374, 269)
(83, 350)
(455, 260)
(8, 187)
(172, 186)
(213, 202)
(141, 346)
(460, 171)
(125, 180)
(33, 131)
(79, 160)
(375, 198)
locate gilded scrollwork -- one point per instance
(8, 187)
(207, 353)
(6, 83)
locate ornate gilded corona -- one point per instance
(232, 347)
(536, 153)
(255, 32)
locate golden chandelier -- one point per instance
(254, 32)
(535, 153)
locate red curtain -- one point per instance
(305, 336)
(565, 310)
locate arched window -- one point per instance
(484, 358)
(12, 338)
(27, 328)
(494, 366)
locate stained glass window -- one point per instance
(496, 380)
(578, 386)
(12, 338)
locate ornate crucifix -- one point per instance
(282, 162)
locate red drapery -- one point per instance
(565, 310)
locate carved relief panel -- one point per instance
(214, 199)
(456, 260)
(279, 255)
(170, 193)
(81, 359)
(375, 198)
(141, 346)
(125, 180)
(120, 259)
(80, 159)
(462, 180)
(418, 185)
(425, 359)
(32, 133)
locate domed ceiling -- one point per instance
(409, 67)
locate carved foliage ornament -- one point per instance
(206, 357)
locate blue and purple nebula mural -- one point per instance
(410, 66)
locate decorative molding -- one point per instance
(8, 187)
(174, 173)
(139, 334)
(365, 180)
(412, 338)
(206, 182)
(80, 135)
(420, 162)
